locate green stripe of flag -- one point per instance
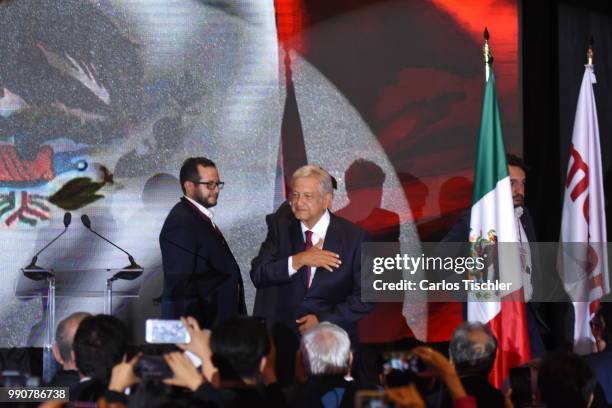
(490, 155)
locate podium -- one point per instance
(49, 283)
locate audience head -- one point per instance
(472, 348)
(565, 381)
(99, 344)
(239, 348)
(64, 337)
(602, 323)
(151, 394)
(326, 350)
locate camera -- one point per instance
(152, 368)
(401, 368)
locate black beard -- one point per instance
(206, 204)
(522, 204)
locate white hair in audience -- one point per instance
(326, 349)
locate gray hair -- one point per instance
(470, 353)
(325, 180)
(326, 350)
(64, 334)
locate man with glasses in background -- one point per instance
(201, 276)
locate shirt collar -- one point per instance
(202, 209)
(320, 228)
(518, 211)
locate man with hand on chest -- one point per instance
(308, 269)
(201, 276)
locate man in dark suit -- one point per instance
(546, 322)
(201, 275)
(313, 259)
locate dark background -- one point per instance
(555, 36)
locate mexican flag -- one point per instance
(492, 221)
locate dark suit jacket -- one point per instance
(64, 378)
(323, 391)
(601, 363)
(201, 276)
(270, 396)
(536, 325)
(487, 396)
(333, 296)
(88, 391)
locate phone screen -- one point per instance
(400, 368)
(160, 331)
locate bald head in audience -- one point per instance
(64, 336)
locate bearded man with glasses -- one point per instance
(201, 276)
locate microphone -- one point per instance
(67, 220)
(133, 265)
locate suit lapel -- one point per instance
(297, 245)
(331, 243)
(204, 217)
(297, 239)
(209, 225)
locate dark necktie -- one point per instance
(306, 248)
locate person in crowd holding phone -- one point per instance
(237, 365)
(438, 367)
(201, 275)
(237, 370)
(315, 261)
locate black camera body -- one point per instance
(152, 368)
(401, 368)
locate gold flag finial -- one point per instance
(488, 55)
(590, 52)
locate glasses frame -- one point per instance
(211, 185)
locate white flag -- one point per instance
(584, 265)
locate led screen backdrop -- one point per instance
(101, 101)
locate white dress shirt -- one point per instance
(525, 254)
(203, 210)
(318, 234)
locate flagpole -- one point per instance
(488, 56)
(590, 52)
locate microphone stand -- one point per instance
(130, 272)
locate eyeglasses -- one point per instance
(210, 184)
